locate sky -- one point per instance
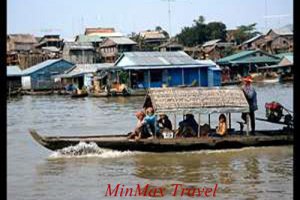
(70, 17)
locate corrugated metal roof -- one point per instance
(198, 100)
(52, 49)
(244, 57)
(41, 66)
(23, 38)
(208, 62)
(252, 39)
(211, 42)
(122, 40)
(80, 69)
(281, 55)
(88, 38)
(105, 35)
(235, 56)
(13, 70)
(159, 58)
(290, 58)
(152, 35)
(79, 45)
(283, 31)
(256, 59)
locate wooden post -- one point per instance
(199, 77)
(149, 78)
(209, 120)
(174, 124)
(182, 76)
(129, 79)
(199, 128)
(247, 122)
(229, 120)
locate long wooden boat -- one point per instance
(101, 94)
(121, 143)
(79, 95)
(37, 92)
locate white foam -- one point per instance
(88, 150)
(216, 151)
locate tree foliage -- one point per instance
(245, 32)
(201, 32)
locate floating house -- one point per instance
(84, 74)
(170, 46)
(274, 41)
(40, 76)
(153, 37)
(158, 69)
(13, 78)
(50, 41)
(285, 65)
(94, 39)
(112, 47)
(20, 42)
(246, 62)
(79, 52)
(102, 32)
(214, 49)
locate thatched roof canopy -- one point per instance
(202, 100)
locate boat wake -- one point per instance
(88, 150)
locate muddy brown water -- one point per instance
(36, 173)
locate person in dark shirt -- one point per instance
(250, 95)
(164, 122)
(188, 127)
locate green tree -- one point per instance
(197, 34)
(217, 30)
(245, 32)
(201, 32)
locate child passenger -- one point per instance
(139, 129)
(221, 129)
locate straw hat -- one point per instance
(248, 79)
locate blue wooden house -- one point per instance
(13, 77)
(41, 76)
(156, 69)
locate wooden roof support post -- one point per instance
(199, 77)
(229, 120)
(149, 78)
(129, 79)
(182, 76)
(174, 124)
(247, 122)
(199, 127)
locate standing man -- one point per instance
(250, 95)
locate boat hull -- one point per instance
(102, 94)
(121, 143)
(79, 95)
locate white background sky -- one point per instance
(70, 17)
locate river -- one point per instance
(36, 173)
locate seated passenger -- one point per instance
(188, 127)
(139, 131)
(221, 129)
(164, 122)
(150, 121)
(164, 125)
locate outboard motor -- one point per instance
(274, 111)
